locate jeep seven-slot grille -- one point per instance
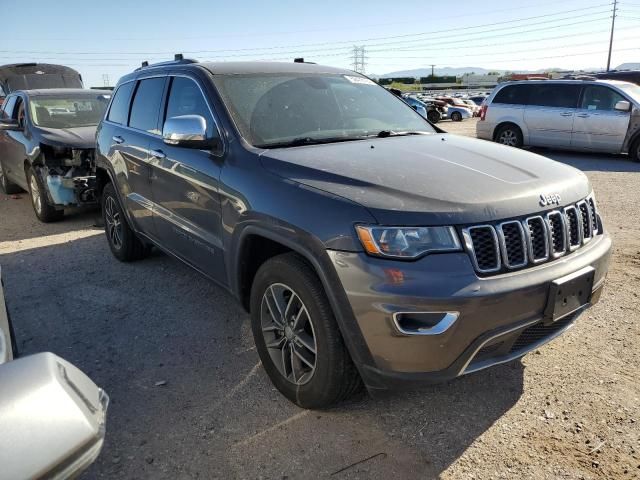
(519, 243)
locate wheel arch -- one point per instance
(316, 256)
(505, 123)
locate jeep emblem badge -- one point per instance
(551, 199)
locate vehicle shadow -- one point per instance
(189, 398)
(17, 211)
(591, 162)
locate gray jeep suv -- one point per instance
(367, 245)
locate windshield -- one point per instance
(67, 111)
(273, 109)
(630, 89)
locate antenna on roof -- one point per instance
(178, 57)
(145, 64)
(298, 60)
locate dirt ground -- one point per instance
(190, 399)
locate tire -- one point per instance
(45, 212)
(433, 116)
(509, 135)
(325, 377)
(634, 151)
(456, 117)
(8, 187)
(123, 241)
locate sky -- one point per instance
(105, 40)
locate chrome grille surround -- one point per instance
(467, 234)
(518, 243)
(510, 247)
(532, 238)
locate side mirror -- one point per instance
(415, 107)
(52, 418)
(622, 106)
(9, 124)
(188, 131)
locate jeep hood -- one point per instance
(431, 179)
(78, 137)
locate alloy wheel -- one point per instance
(113, 222)
(288, 333)
(508, 137)
(35, 194)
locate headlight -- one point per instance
(407, 242)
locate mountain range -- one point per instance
(458, 71)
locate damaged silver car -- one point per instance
(47, 145)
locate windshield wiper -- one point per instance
(300, 141)
(392, 133)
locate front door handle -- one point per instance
(566, 114)
(118, 139)
(159, 154)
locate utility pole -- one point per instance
(359, 57)
(613, 24)
(432, 70)
(105, 80)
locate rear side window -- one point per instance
(596, 97)
(513, 95)
(146, 103)
(555, 95)
(186, 98)
(120, 106)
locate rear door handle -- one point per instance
(157, 154)
(566, 114)
(583, 115)
(117, 139)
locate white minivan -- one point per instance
(593, 115)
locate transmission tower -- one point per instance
(359, 58)
(105, 80)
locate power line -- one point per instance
(360, 41)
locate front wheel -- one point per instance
(297, 337)
(509, 135)
(433, 116)
(39, 200)
(634, 152)
(456, 117)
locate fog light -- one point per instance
(424, 323)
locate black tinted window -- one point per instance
(596, 97)
(120, 106)
(513, 95)
(555, 95)
(186, 98)
(145, 107)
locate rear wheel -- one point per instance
(456, 117)
(123, 242)
(509, 135)
(297, 337)
(634, 152)
(8, 187)
(39, 200)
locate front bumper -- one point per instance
(499, 317)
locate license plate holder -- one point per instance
(569, 294)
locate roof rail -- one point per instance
(178, 59)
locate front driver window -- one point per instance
(186, 98)
(596, 97)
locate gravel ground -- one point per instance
(190, 399)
